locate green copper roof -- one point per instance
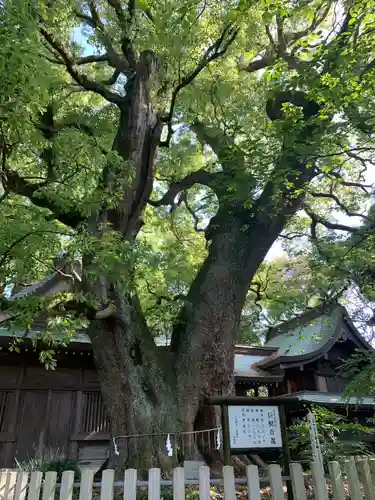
(308, 337)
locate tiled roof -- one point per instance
(309, 337)
(35, 287)
(243, 366)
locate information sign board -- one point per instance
(254, 427)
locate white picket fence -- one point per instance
(359, 474)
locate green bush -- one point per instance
(166, 493)
(58, 465)
(338, 438)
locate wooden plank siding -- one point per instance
(55, 413)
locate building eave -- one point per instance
(355, 336)
(254, 350)
(82, 342)
(266, 379)
(331, 399)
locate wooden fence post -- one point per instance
(85, 489)
(286, 450)
(204, 483)
(229, 484)
(178, 483)
(319, 482)
(21, 485)
(365, 478)
(226, 433)
(337, 481)
(154, 484)
(130, 484)
(10, 486)
(3, 482)
(106, 489)
(353, 481)
(67, 483)
(35, 485)
(371, 463)
(49, 485)
(298, 482)
(253, 486)
(276, 482)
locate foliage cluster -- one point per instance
(293, 45)
(339, 438)
(58, 465)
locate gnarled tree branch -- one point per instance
(316, 219)
(343, 182)
(161, 297)
(80, 78)
(6, 254)
(211, 136)
(291, 236)
(95, 22)
(93, 58)
(112, 79)
(191, 212)
(278, 49)
(125, 19)
(85, 18)
(15, 183)
(198, 177)
(228, 153)
(120, 13)
(338, 203)
(320, 15)
(214, 51)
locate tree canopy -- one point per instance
(166, 146)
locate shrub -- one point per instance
(55, 464)
(338, 438)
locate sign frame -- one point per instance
(259, 417)
(225, 401)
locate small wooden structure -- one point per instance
(252, 435)
(53, 414)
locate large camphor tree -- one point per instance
(166, 145)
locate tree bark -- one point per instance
(205, 335)
(137, 385)
(153, 391)
(137, 382)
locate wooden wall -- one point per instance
(48, 411)
(42, 412)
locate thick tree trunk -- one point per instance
(156, 391)
(136, 379)
(153, 391)
(204, 338)
(138, 387)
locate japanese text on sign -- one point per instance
(254, 427)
